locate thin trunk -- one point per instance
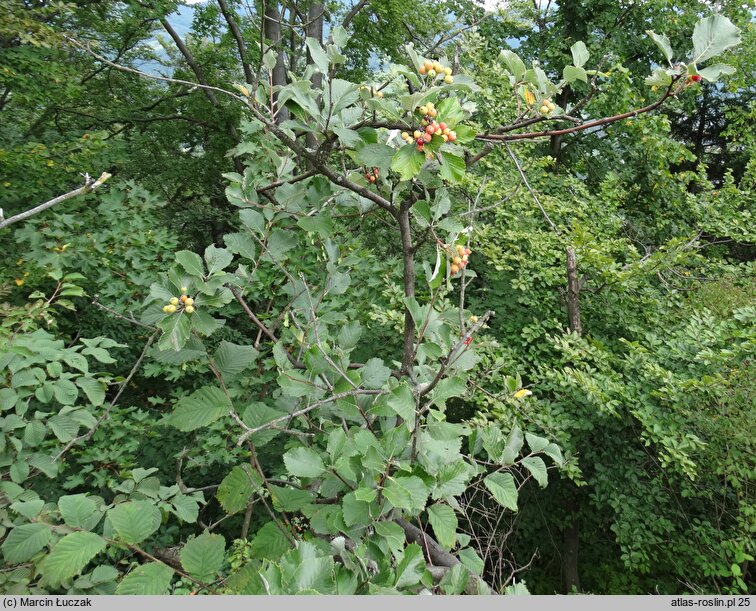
(573, 293)
(239, 38)
(273, 34)
(405, 229)
(314, 30)
(570, 573)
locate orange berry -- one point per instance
(422, 70)
(454, 269)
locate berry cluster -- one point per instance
(178, 303)
(546, 107)
(372, 175)
(434, 70)
(459, 261)
(431, 127)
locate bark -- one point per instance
(272, 28)
(237, 34)
(573, 293)
(314, 30)
(570, 569)
(405, 230)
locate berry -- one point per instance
(420, 148)
(422, 70)
(420, 141)
(438, 67)
(448, 79)
(452, 136)
(454, 269)
(694, 78)
(551, 106)
(457, 261)
(423, 110)
(166, 308)
(432, 112)
(405, 136)
(447, 71)
(417, 134)
(443, 127)
(174, 300)
(189, 309)
(430, 130)
(428, 65)
(544, 110)
(184, 289)
(473, 319)
(183, 298)
(427, 137)
(445, 137)
(432, 73)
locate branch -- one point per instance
(342, 395)
(584, 126)
(234, 27)
(353, 13)
(106, 413)
(527, 184)
(88, 186)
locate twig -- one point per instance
(88, 186)
(527, 184)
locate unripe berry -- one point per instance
(456, 260)
(423, 110)
(544, 110)
(473, 319)
(448, 79)
(184, 289)
(428, 65)
(452, 136)
(464, 258)
(166, 308)
(189, 309)
(417, 134)
(445, 137)
(427, 137)
(183, 298)
(174, 300)
(551, 106)
(438, 67)
(432, 73)
(430, 105)
(189, 302)
(447, 71)
(405, 136)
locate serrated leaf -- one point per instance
(237, 487)
(444, 522)
(93, 389)
(537, 469)
(374, 373)
(24, 541)
(663, 43)
(712, 36)
(191, 262)
(574, 73)
(70, 555)
(376, 156)
(134, 521)
(153, 578)
(79, 511)
(201, 408)
(217, 258)
(303, 462)
(232, 359)
(202, 557)
(555, 453)
(317, 54)
(536, 443)
(408, 493)
(176, 329)
(186, 508)
(407, 162)
(580, 53)
(503, 489)
(713, 72)
(410, 568)
(453, 167)
(269, 542)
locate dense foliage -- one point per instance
(362, 303)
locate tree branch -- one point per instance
(88, 186)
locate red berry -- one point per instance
(695, 78)
(420, 141)
(442, 125)
(430, 130)
(427, 137)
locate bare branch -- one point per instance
(88, 186)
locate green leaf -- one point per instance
(376, 156)
(23, 542)
(303, 462)
(28, 509)
(444, 522)
(134, 521)
(237, 487)
(712, 36)
(537, 469)
(176, 329)
(580, 53)
(202, 557)
(356, 512)
(319, 223)
(502, 487)
(191, 262)
(253, 220)
(63, 427)
(455, 580)
(555, 453)
(70, 555)
(450, 112)
(79, 511)
(186, 508)
(407, 162)
(65, 392)
(402, 401)
(279, 243)
(574, 73)
(94, 390)
(317, 54)
(269, 542)
(452, 167)
(232, 359)
(471, 560)
(289, 499)
(217, 258)
(408, 493)
(514, 64)
(452, 480)
(8, 398)
(411, 566)
(374, 373)
(663, 43)
(153, 578)
(713, 72)
(201, 408)
(536, 443)
(241, 244)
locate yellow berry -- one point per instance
(423, 110)
(454, 269)
(189, 309)
(438, 67)
(448, 79)
(174, 300)
(189, 302)
(417, 134)
(473, 319)
(447, 71)
(432, 73)
(456, 260)
(184, 289)
(405, 136)
(428, 65)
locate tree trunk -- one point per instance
(570, 574)
(573, 293)
(314, 30)
(272, 29)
